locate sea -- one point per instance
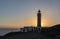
(4, 31)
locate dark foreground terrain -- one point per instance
(45, 33)
(28, 35)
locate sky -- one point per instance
(20, 13)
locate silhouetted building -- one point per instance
(39, 18)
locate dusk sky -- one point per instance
(20, 13)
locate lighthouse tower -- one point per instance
(39, 19)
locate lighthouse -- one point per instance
(39, 19)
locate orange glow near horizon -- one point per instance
(45, 23)
(32, 22)
(42, 24)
